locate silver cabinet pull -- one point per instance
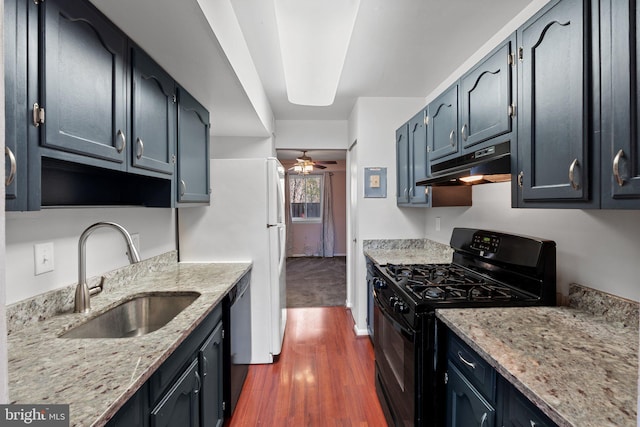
(123, 141)
(483, 420)
(452, 137)
(12, 166)
(616, 168)
(466, 362)
(183, 187)
(463, 132)
(140, 148)
(533, 423)
(521, 179)
(206, 366)
(572, 169)
(410, 190)
(198, 382)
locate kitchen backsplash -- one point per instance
(610, 307)
(48, 304)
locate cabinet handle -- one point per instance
(533, 423)
(123, 141)
(463, 131)
(12, 167)
(452, 137)
(466, 362)
(140, 148)
(616, 168)
(410, 190)
(183, 187)
(205, 362)
(483, 420)
(199, 384)
(521, 179)
(572, 169)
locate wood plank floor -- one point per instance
(324, 376)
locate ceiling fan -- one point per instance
(305, 164)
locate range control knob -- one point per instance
(400, 307)
(379, 283)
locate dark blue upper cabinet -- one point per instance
(153, 115)
(83, 84)
(402, 164)
(620, 107)
(486, 99)
(554, 106)
(442, 125)
(193, 150)
(418, 168)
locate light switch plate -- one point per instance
(43, 257)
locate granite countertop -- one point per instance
(407, 251)
(97, 376)
(576, 367)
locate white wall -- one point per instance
(312, 134)
(596, 248)
(105, 248)
(238, 147)
(373, 123)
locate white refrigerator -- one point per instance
(245, 222)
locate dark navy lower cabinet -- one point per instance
(181, 405)
(518, 411)
(211, 366)
(465, 405)
(134, 413)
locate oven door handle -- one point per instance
(403, 329)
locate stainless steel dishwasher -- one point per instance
(238, 346)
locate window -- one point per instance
(305, 196)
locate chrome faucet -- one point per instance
(83, 294)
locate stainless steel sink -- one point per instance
(134, 317)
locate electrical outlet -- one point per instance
(437, 223)
(135, 238)
(43, 257)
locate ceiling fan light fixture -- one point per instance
(314, 38)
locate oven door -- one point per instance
(395, 347)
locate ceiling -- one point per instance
(399, 48)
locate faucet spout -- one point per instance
(82, 297)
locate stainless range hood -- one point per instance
(491, 164)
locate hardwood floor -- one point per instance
(324, 376)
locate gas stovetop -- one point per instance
(448, 282)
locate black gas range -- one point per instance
(489, 269)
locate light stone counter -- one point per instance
(580, 369)
(407, 251)
(97, 376)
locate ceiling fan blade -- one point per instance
(319, 166)
(326, 162)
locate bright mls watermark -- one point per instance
(34, 415)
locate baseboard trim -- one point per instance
(312, 256)
(360, 332)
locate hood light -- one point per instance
(471, 179)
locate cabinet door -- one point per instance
(553, 102)
(193, 150)
(486, 98)
(153, 115)
(442, 125)
(520, 412)
(417, 158)
(83, 83)
(620, 107)
(465, 406)
(211, 358)
(135, 412)
(180, 407)
(402, 164)
(16, 120)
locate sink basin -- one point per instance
(136, 316)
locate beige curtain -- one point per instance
(287, 215)
(328, 232)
